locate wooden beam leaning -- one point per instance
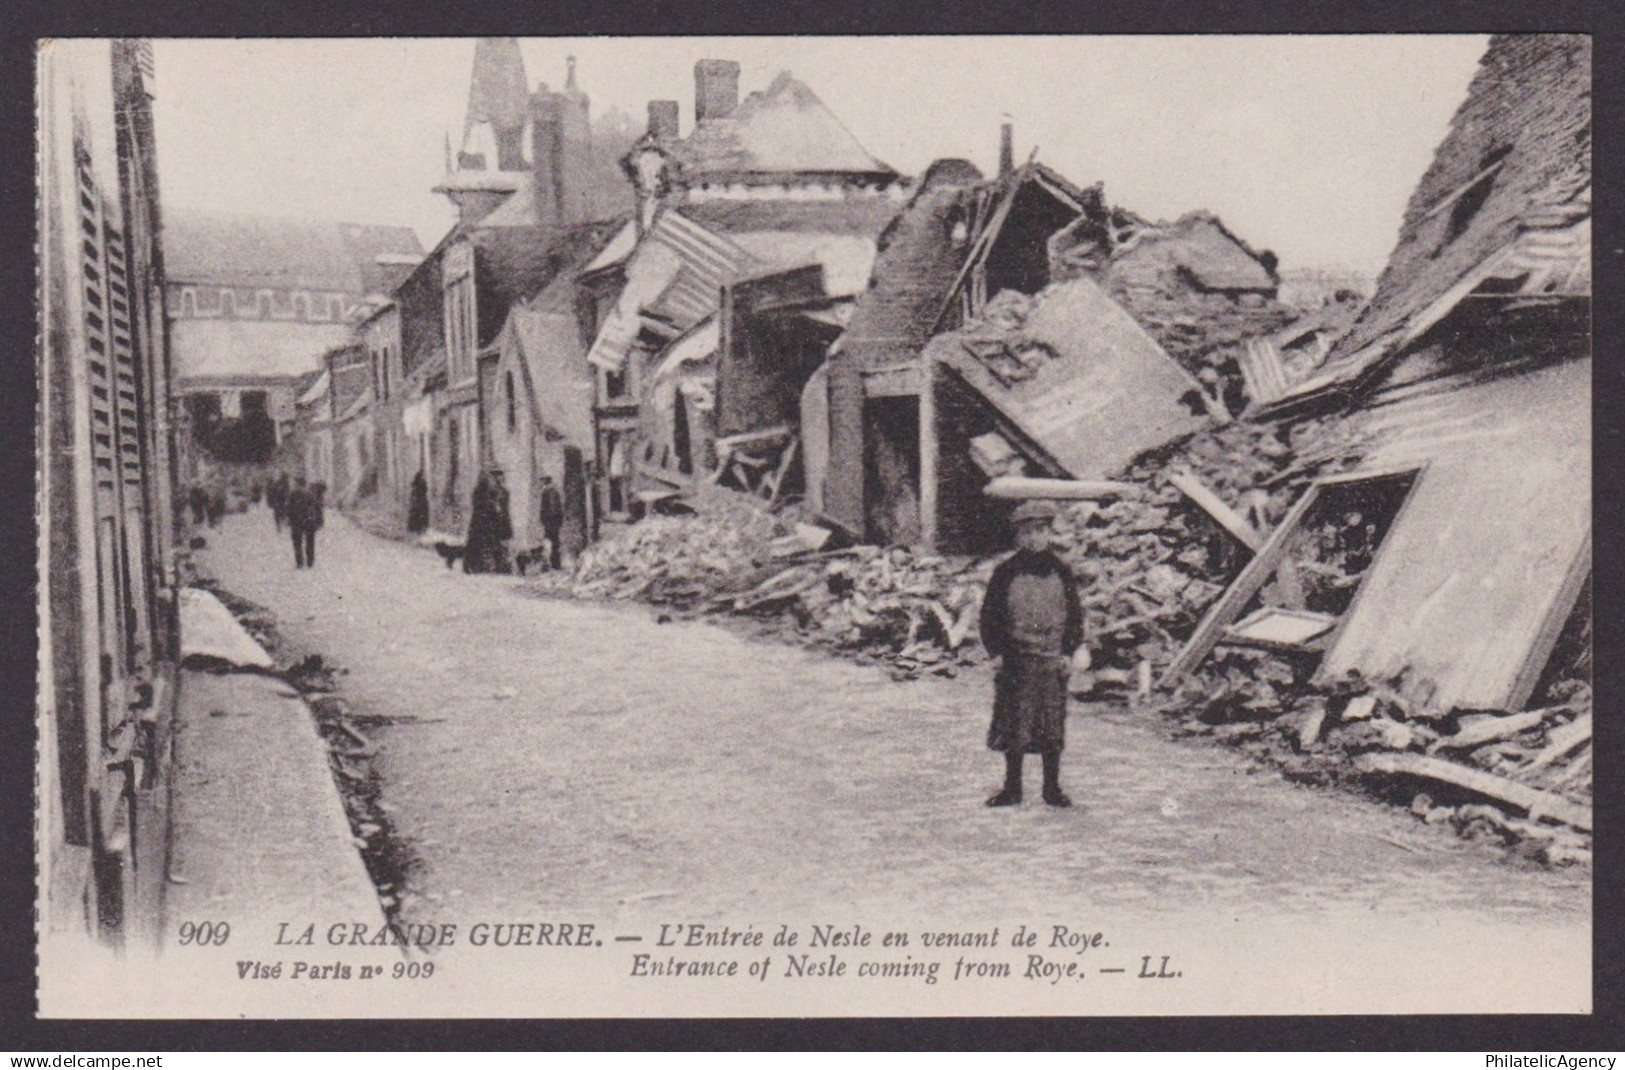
(1238, 594)
(1214, 506)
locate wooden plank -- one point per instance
(1561, 742)
(929, 459)
(1490, 728)
(1532, 801)
(1235, 598)
(751, 438)
(1551, 626)
(775, 481)
(1023, 488)
(1214, 506)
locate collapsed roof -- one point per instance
(1504, 207)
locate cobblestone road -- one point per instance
(555, 756)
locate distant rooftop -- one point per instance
(783, 128)
(229, 249)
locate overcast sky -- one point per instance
(1306, 145)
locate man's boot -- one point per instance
(1011, 795)
(1052, 780)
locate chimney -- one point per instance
(663, 118)
(716, 89)
(1007, 146)
(547, 151)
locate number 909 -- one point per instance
(204, 933)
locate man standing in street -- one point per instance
(552, 517)
(304, 511)
(1031, 619)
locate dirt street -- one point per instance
(554, 756)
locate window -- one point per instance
(188, 303)
(228, 303)
(338, 308)
(301, 307)
(264, 305)
(513, 408)
(615, 384)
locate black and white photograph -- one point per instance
(801, 527)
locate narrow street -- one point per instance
(556, 756)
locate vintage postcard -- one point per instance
(814, 526)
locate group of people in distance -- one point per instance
(486, 547)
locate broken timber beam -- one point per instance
(752, 438)
(1240, 592)
(1562, 741)
(1022, 488)
(1490, 727)
(1214, 506)
(1533, 801)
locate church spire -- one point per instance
(498, 105)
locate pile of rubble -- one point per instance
(1150, 562)
(678, 561)
(1534, 766)
(914, 611)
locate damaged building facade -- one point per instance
(751, 238)
(1020, 326)
(1466, 386)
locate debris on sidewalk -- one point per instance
(210, 635)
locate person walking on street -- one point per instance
(315, 515)
(1031, 619)
(552, 517)
(417, 507)
(276, 496)
(298, 510)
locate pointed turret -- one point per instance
(498, 107)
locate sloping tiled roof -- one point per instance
(1201, 245)
(253, 349)
(578, 247)
(559, 379)
(1107, 394)
(517, 263)
(917, 262)
(784, 128)
(265, 251)
(865, 214)
(1516, 160)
